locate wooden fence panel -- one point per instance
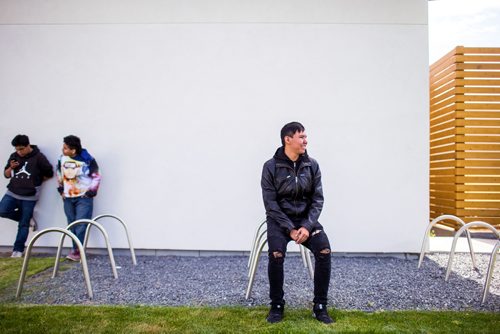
(465, 135)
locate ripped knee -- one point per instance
(323, 254)
(276, 256)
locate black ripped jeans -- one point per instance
(278, 240)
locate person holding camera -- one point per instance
(26, 168)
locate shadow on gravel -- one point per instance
(362, 283)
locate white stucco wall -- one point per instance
(181, 102)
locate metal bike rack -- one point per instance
(308, 262)
(303, 256)
(255, 250)
(106, 238)
(259, 233)
(255, 261)
(28, 255)
(256, 235)
(492, 257)
(425, 242)
(259, 242)
(132, 252)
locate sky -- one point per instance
(470, 23)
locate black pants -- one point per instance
(317, 242)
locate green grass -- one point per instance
(10, 269)
(149, 319)
(21, 318)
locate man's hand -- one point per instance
(300, 235)
(9, 171)
(294, 234)
(13, 164)
(90, 194)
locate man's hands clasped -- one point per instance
(300, 235)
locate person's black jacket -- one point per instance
(292, 192)
(32, 170)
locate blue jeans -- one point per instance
(20, 211)
(78, 208)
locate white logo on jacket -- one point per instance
(23, 170)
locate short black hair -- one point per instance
(290, 129)
(73, 143)
(20, 140)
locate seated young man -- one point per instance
(293, 198)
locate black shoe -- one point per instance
(321, 314)
(275, 313)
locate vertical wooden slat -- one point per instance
(457, 128)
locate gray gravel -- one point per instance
(362, 283)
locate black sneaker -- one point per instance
(321, 314)
(275, 313)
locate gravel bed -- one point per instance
(361, 283)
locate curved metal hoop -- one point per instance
(255, 253)
(308, 264)
(106, 238)
(493, 258)
(458, 234)
(107, 215)
(425, 242)
(254, 241)
(489, 274)
(28, 255)
(260, 241)
(253, 266)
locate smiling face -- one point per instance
(296, 144)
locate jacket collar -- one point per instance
(281, 157)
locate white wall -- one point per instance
(181, 103)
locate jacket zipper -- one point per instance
(296, 184)
(296, 188)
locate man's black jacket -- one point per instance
(32, 170)
(292, 192)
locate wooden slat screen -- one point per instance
(465, 135)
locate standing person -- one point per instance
(26, 168)
(293, 198)
(78, 177)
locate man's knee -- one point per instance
(276, 256)
(11, 214)
(323, 254)
(3, 211)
